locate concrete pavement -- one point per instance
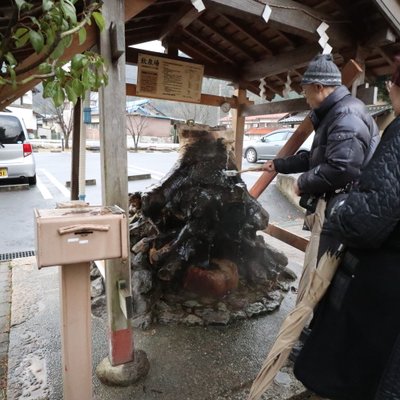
(186, 363)
(5, 307)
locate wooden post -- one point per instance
(113, 148)
(360, 59)
(238, 125)
(349, 73)
(76, 137)
(76, 338)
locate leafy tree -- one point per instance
(48, 29)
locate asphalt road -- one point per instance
(54, 170)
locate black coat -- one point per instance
(345, 136)
(358, 320)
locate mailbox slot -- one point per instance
(70, 235)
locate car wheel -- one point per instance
(251, 155)
(32, 180)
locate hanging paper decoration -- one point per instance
(266, 13)
(262, 89)
(323, 41)
(198, 5)
(287, 88)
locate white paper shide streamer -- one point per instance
(262, 88)
(198, 5)
(324, 38)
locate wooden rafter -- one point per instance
(225, 38)
(195, 53)
(246, 31)
(205, 43)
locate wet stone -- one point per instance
(214, 317)
(284, 286)
(239, 315)
(282, 379)
(99, 307)
(97, 287)
(192, 320)
(141, 281)
(168, 317)
(191, 304)
(255, 309)
(94, 272)
(142, 321)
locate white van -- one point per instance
(16, 155)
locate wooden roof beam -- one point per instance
(289, 16)
(180, 20)
(137, 38)
(205, 100)
(297, 58)
(274, 107)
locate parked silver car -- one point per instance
(16, 154)
(268, 146)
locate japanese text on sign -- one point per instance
(164, 78)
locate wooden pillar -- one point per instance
(113, 148)
(360, 60)
(76, 331)
(238, 125)
(76, 137)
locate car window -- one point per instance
(275, 137)
(10, 130)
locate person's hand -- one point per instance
(296, 188)
(269, 166)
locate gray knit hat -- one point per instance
(322, 70)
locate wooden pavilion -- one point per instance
(257, 45)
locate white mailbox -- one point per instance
(78, 234)
(71, 237)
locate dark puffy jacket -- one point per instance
(345, 138)
(354, 346)
(370, 216)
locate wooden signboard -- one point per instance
(164, 78)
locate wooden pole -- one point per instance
(349, 73)
(76, 138)
(113, 149)
(76, 338)
(238, 124)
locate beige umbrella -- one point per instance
(311, 254)
(294, 323)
